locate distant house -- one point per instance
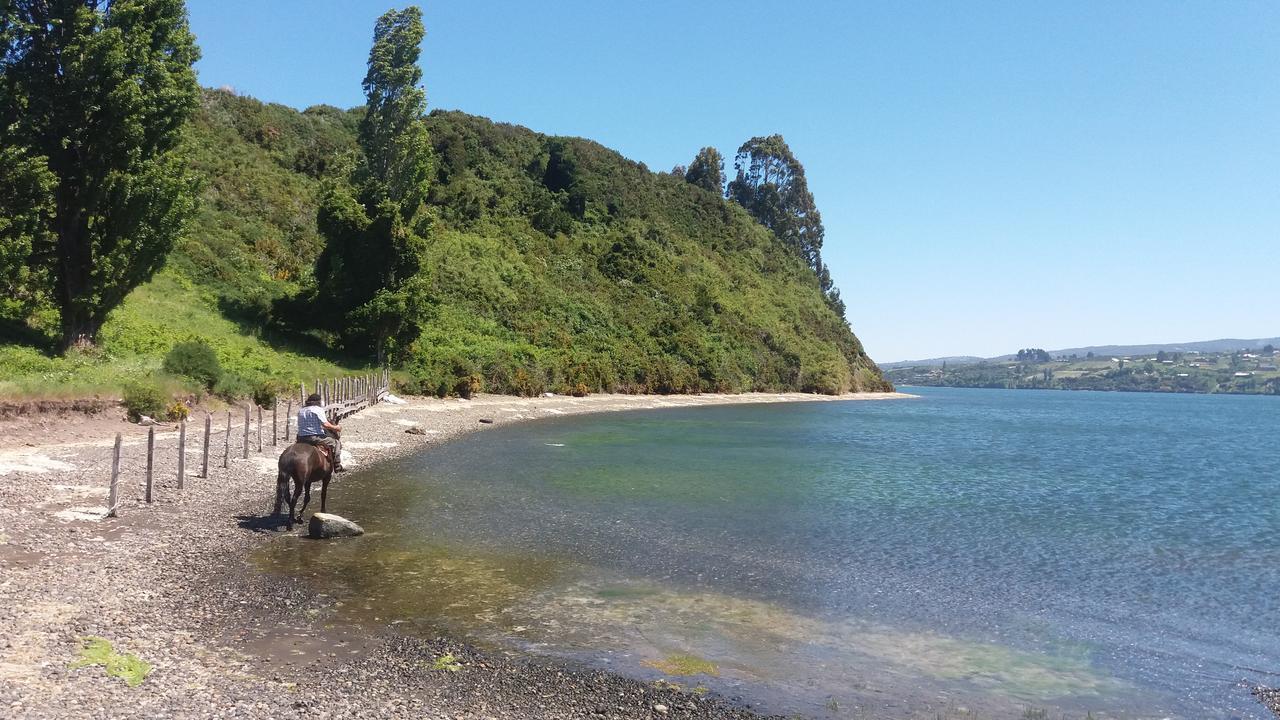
(1266, 367)
(1184, 374)
(1166, 362)
(1243, 374)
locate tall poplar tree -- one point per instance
(372, 222)
(94, 97)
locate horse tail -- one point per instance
(282, 486)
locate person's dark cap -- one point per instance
(313, 398)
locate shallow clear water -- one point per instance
(991, 550)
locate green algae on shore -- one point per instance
(683, 664)
(126, 666)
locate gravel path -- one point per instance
(171, 584)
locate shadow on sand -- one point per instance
(263, 523)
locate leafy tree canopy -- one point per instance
(770, 184)
(707, 170)
(1034, 355)
(94, 97)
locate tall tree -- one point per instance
(707, 170)
(373, 221)
(770, 184)
(94, 97)
(393, 135)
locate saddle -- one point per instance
(323, 449)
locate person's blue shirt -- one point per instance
(311, 420)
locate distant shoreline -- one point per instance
(1088, 390)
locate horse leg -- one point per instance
(306, 498)
(324, 492)
(293, 503)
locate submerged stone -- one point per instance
(327, 525)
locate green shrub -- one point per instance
(177, 411)
(527, 384)
(143, 399)
(194, 359)
(266, 391)
(468, 386)
(233, 387)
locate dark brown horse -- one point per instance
(305, 464)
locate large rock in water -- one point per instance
(327, 525)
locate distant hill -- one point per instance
(931, 362)
(1217, 346)
(1223, 345)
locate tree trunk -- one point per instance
(73, 287)
(78, 329)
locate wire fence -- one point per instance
(341, 397)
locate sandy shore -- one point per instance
(170, 583)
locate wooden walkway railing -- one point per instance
(346, 396)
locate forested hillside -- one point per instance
(550, 264)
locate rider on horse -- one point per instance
(312, 424)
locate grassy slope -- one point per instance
(553, 263)
(133, 343)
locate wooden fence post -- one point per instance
(259, 429)
(182, 452)
(226, 446)
(302, 393)
(288, 418)
(275, 422)
(113, 495)
(151, 448)
(245, 447)
(204, 455)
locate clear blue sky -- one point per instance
(992, 175)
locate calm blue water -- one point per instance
(999, 550)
